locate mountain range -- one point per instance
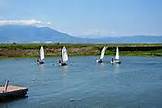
(26, 33)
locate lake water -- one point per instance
(135, 83)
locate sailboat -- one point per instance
(116, 59)
(64, 58)
(100, 60)
(41, 56)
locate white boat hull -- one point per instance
(116, 62)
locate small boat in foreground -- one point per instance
(41, 56)
(64, 58)
(116, 60)
(100, 60)
(8, 92)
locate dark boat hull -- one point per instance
(5, 96)
(63, 64)
(40, 61)
(99, 61)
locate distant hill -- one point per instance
(24, 33)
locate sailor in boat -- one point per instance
(112, 60)
(116, 59)
(41, 56)
(64, 58)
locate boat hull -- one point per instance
(115, 62)
(63, 64)
(99, 61)
(40, 61)
(13, 94)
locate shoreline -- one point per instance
(54, 50)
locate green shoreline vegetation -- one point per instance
(32, 50)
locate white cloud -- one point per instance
(24, 22)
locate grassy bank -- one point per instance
(31, 50)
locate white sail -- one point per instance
(64, 54)
(117, 54)
(103, 52)
(41, 53)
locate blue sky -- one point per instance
(88, 17)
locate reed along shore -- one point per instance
(32, 50)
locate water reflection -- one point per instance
(116, 68)
(101, 66)
(84, 83)
(41, 67)
(3, 105)
(64, 70)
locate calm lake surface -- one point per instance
(136, 83)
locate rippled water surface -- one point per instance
(135, 83)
